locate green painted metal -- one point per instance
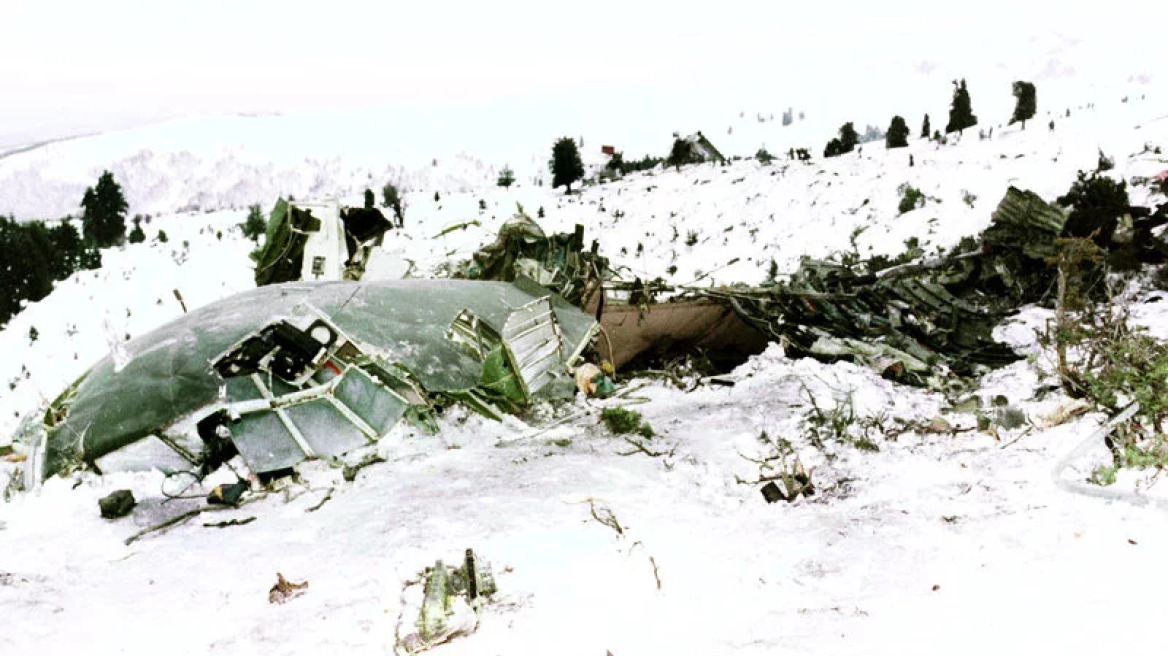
(402, 323)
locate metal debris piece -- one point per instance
(285, 590)
(446, 602)
(318, 241)
(117, 504)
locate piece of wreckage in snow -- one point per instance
(288, 372)
(634, 325)
(318, 241)
(924, 321)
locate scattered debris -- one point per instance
(593, 381)
(117, 504)
(1065, 412)
(444, 603)
(319, 241)
(796, 483)
(925, 321)
(178, 519)
(633, 321)
(228, 494)
(349, 472)
(772, 493)
(605, 516)
(325, 499)
(285, 590)
(230, 522)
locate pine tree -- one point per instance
(848, 137)
(1097, 202)
(925, 129)
(680, 154)
(961, 111)
(136, 235)
(845, 143)
(1027, 103)
(566, 165)
(103, 222)
(897, 135)
(392, 199)
(67, 250)
(255, 224)
(506, 177)
(25, 272)
(370, 201)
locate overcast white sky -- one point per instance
(69, 64)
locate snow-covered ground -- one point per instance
(959, 542)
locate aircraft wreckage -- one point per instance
(299, 370)
(310, 369)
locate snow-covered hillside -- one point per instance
(939, 541)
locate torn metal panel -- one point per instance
(377, 405)
(534, 345)
(474, 335)
(318, 241)
(557, 262)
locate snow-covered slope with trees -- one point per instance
(940, 541)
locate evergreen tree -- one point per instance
(845, 143)
(255, 224)
(370, 201)
(90, 258)
(506, 177)
(1097, 203)
(1027, 103)
(162, 238)
(68, 250)
(104, 220)
(925, 129)
(25, 272)
(680, 154)
(848, 137)
(961, 110)
(566, 165)
(897, 135)
(392, 199)
(136, 235)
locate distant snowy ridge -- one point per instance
(222, 163)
